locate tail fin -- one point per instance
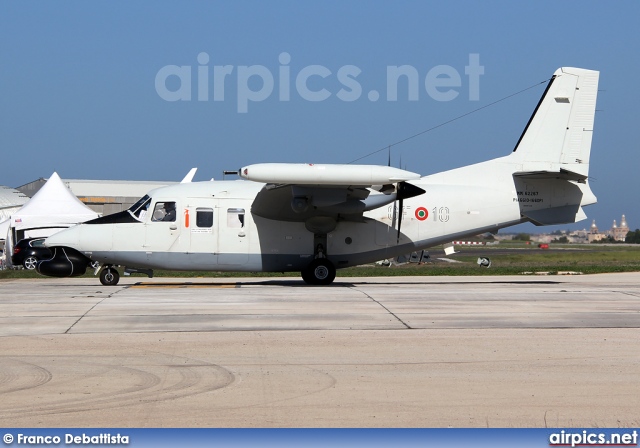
(557, 138)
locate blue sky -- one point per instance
(78, 92)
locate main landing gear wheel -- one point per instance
(306, 276)
(109, 276)
(319, 272)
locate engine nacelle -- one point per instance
(66, 262)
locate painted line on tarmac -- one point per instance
(185, 285)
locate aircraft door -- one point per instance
(204, 243)
(233, 235)
(162, 228)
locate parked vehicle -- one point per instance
(29, 251)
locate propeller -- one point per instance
(403, 191)
(393, 218)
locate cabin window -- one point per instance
(235, 218)
(164, 211)
(204, 217)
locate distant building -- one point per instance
(594, 233)
(618, 233)
(579, 236)
(10, 202)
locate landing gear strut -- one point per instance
(321, 270)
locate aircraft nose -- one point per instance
(68, 237)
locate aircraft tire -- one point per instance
(320, 272)
(109, 276)
(306, 276)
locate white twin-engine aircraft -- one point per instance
(315, 219)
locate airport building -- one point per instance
(10, 201)
(102, 196)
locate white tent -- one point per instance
(4, 228)
(50, 210)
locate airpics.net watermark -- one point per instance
(255, 83)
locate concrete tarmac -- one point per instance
(525, 351)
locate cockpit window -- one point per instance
(139, 209)
(164, 211)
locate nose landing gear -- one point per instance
(109, 276)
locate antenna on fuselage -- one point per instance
(230, 173)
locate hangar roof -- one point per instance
(118, 188)
(10, 201)
(100, 188)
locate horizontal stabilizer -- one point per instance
(565, 214)
(561, 174)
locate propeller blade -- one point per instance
(405, 191)
(400, 213)
(393, 217)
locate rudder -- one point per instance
(558, 136)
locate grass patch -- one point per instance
(507, 259)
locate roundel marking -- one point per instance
(421, 214)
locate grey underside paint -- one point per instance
(266, 262)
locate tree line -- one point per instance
(633, 237)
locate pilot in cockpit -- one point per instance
(164, 211)
(169, 211)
